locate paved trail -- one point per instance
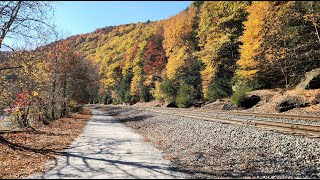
(109, 149)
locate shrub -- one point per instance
(168, 89)
(186, 94)
(123, 89)
(158, 94)
(144, 95)
(240, 94)
(107, 98)
(220, 88)
(75, 107)
(127, 97)
(242, 86)
(116, 101)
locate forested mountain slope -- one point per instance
(204, 51)
(207, 51)
(211, 50)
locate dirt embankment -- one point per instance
(269, 99)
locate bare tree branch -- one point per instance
(6, 68)
(8, 24)
(8, 47)
(24, 19)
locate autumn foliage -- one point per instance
(214, 47)
(208, 51)
(52, 80)
(280, 42)
(154, 56)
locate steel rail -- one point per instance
(291, 128)
(286, 116)
(268, 115)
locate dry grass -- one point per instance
(24, 153)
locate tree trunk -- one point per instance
(53, 103)
(317, 32)
(64, 94)
(44, 109)
(25, 118)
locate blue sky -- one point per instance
(79, 17)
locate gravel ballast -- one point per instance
(208, 149)
(245, 117)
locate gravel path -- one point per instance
(214, 150)
(109, 149)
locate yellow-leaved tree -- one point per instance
(220, 25)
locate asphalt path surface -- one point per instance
(108, 149)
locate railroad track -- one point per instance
(268, 115)
(307, 130)
(285, 116)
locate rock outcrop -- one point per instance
(310, 76)
(291, 103)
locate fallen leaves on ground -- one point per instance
(24, 153)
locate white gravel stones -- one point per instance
(214, 150)
(302, 121)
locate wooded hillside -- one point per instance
(208, 51)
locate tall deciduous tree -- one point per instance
(279, 43)
(155, 58)
(220, 25)
(23, 19)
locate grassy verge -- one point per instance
(24, 153)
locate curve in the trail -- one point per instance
(109, 149)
